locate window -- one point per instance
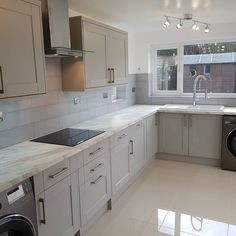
(165, 69)
(216, 61)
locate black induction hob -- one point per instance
(68, 137)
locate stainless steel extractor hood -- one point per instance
(56, 29)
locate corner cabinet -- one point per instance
(22, 65)
(107, 62)
(173, 133)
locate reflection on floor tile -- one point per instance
(174, 199)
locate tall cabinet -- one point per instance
(104, 60)
(22, 67)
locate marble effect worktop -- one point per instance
(27, 159)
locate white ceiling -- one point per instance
(147, 15)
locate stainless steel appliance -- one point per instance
(228, 158)
(68, 137)
(56, 30)
(18, 211)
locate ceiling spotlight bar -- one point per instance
(187, 17)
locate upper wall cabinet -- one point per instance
(22, 66)
(105, 65)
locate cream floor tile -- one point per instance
(173, 198)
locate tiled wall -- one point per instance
(143, 91)
(31, 117)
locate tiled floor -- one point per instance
(172, 198)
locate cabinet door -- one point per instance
(152, 136)
(205, 136)
(21, 58)
(173, 133)
(95, 39)
(118, 56)
(57, 205)
(120, 166)
(137, 150)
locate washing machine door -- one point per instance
(231, 142)
(16, 225)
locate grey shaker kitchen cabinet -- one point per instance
(22, 65)
(117, 56)
(55, 216)
(205, 136)
(173, 133)
(137, 154)
(105, 60)
(120, 161)
(190, 135)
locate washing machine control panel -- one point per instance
(15, 194)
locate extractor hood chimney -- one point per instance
(56, 29)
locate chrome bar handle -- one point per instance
(113, 78)
(132, 143)
(95, 168)
(96, 151)
(43, 221)
(71, 204)
(97, 180)
(110, 80)
(53, 176)
(2, 85)
(122, 136)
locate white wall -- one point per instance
(144, 40)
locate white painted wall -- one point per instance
(143, 41)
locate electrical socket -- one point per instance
(76, 100)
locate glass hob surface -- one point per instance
(68, 137)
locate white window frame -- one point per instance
(180, 68)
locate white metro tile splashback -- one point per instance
(30, 117)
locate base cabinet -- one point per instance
(55, 210)
(72, 194)
(205, 136)
(191, 135)
(120, 164)
(95, 193)
(173, 133)
(137, 141)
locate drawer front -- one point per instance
(137, 127)
(76, 162)
(56, 173)
(94, 167)
(119, 138)
(95, 151)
